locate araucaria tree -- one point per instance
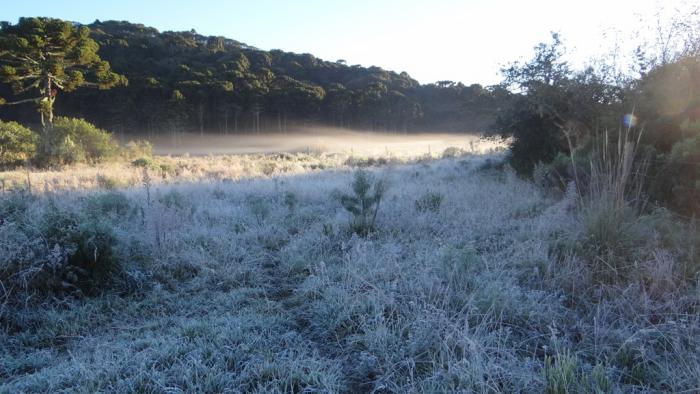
(44, 55)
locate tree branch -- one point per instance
(24, 101)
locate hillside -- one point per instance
(184, 81)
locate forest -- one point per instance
(183, 81)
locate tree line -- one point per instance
(184, 81)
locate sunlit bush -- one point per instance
(17, 144)
(73, 140)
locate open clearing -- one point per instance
(257, 285)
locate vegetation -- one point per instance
(17, 144)
(183, 81)
(567, 265)
(559, 115)
(41, 55)
(364, 203)
(75, 141)
(219, 285)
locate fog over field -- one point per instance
(319, 139)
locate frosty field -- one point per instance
(473, 280)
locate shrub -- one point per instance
(109, 183)
(172, 199)
(59, 253)
(151, 164)
(17, 143)
(678, 180)
(137, 149)
(258, 207)
(81, 256)
(451, 152)
(112, 203)
(14, 204)
(430, 201)
(75, 140)
(363, 204)
(290, 200)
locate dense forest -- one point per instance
(184, 81)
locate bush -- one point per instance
(112, 203)
(58, 253)
(81, 255)
(678, 180)
(17, 144)
(451, 152)
(110, 183)
(13, 205)
(139, 149)
(430, 201)
(363, 204)
(73, 141)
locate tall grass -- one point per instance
(612, 201)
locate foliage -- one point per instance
(74, 141)
(134, 150)
(82, 253)
(62, 253)
(677, 182)
(363, 204)
(17, 144)
(555, 108)
(42, 54)
(178, 81)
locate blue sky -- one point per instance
(432, 40)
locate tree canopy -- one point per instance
(40, 55)
(187, 81)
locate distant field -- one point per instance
(229, 158)
(319, 140)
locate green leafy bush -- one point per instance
(73, 141)
(363, 204)
(17, 143)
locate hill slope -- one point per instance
(186, 81)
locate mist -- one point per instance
(318, 140)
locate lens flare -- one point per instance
(629, 120)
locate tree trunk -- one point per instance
(201, 119)
(226, 121)
(47, 112)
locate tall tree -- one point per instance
(43, 55)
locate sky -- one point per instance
(459, 40)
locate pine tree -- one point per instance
(45, 55)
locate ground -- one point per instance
(258, 285)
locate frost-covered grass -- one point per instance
(472, 281)
(164, 169)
